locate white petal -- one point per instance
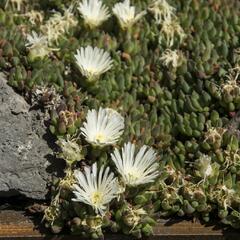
(103, 127)
(139, 169)
(93, 183)
(92, 62)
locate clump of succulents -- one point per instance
(143, 99)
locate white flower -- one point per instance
(95, 188)
(93, 62)
(136, 168)
(172, 58)
(171, 29)
(103, 127)
(126, 14)
(161, 10)
(37, 45)
(94, 12)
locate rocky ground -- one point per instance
(26, 154)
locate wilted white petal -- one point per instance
(170, 30)
(34, 40)
(173, 58)
(136, 168)
(161, 10)
(70, 150)
(95, 188)
(37, 45)
(59, 24)
(203, 165)
(34, 16)
(103, 127)
(17, 3)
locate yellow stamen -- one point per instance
(100, 138)
(97, 198)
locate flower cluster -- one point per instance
(94, 13)
(95, 186)
(164, 15)
(55, 27)
(99, 188)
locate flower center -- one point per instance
(133, 176)
(97, 198)
(92, 74)
(100, 138)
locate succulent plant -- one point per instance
(169, 68)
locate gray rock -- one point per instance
(24, 152)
